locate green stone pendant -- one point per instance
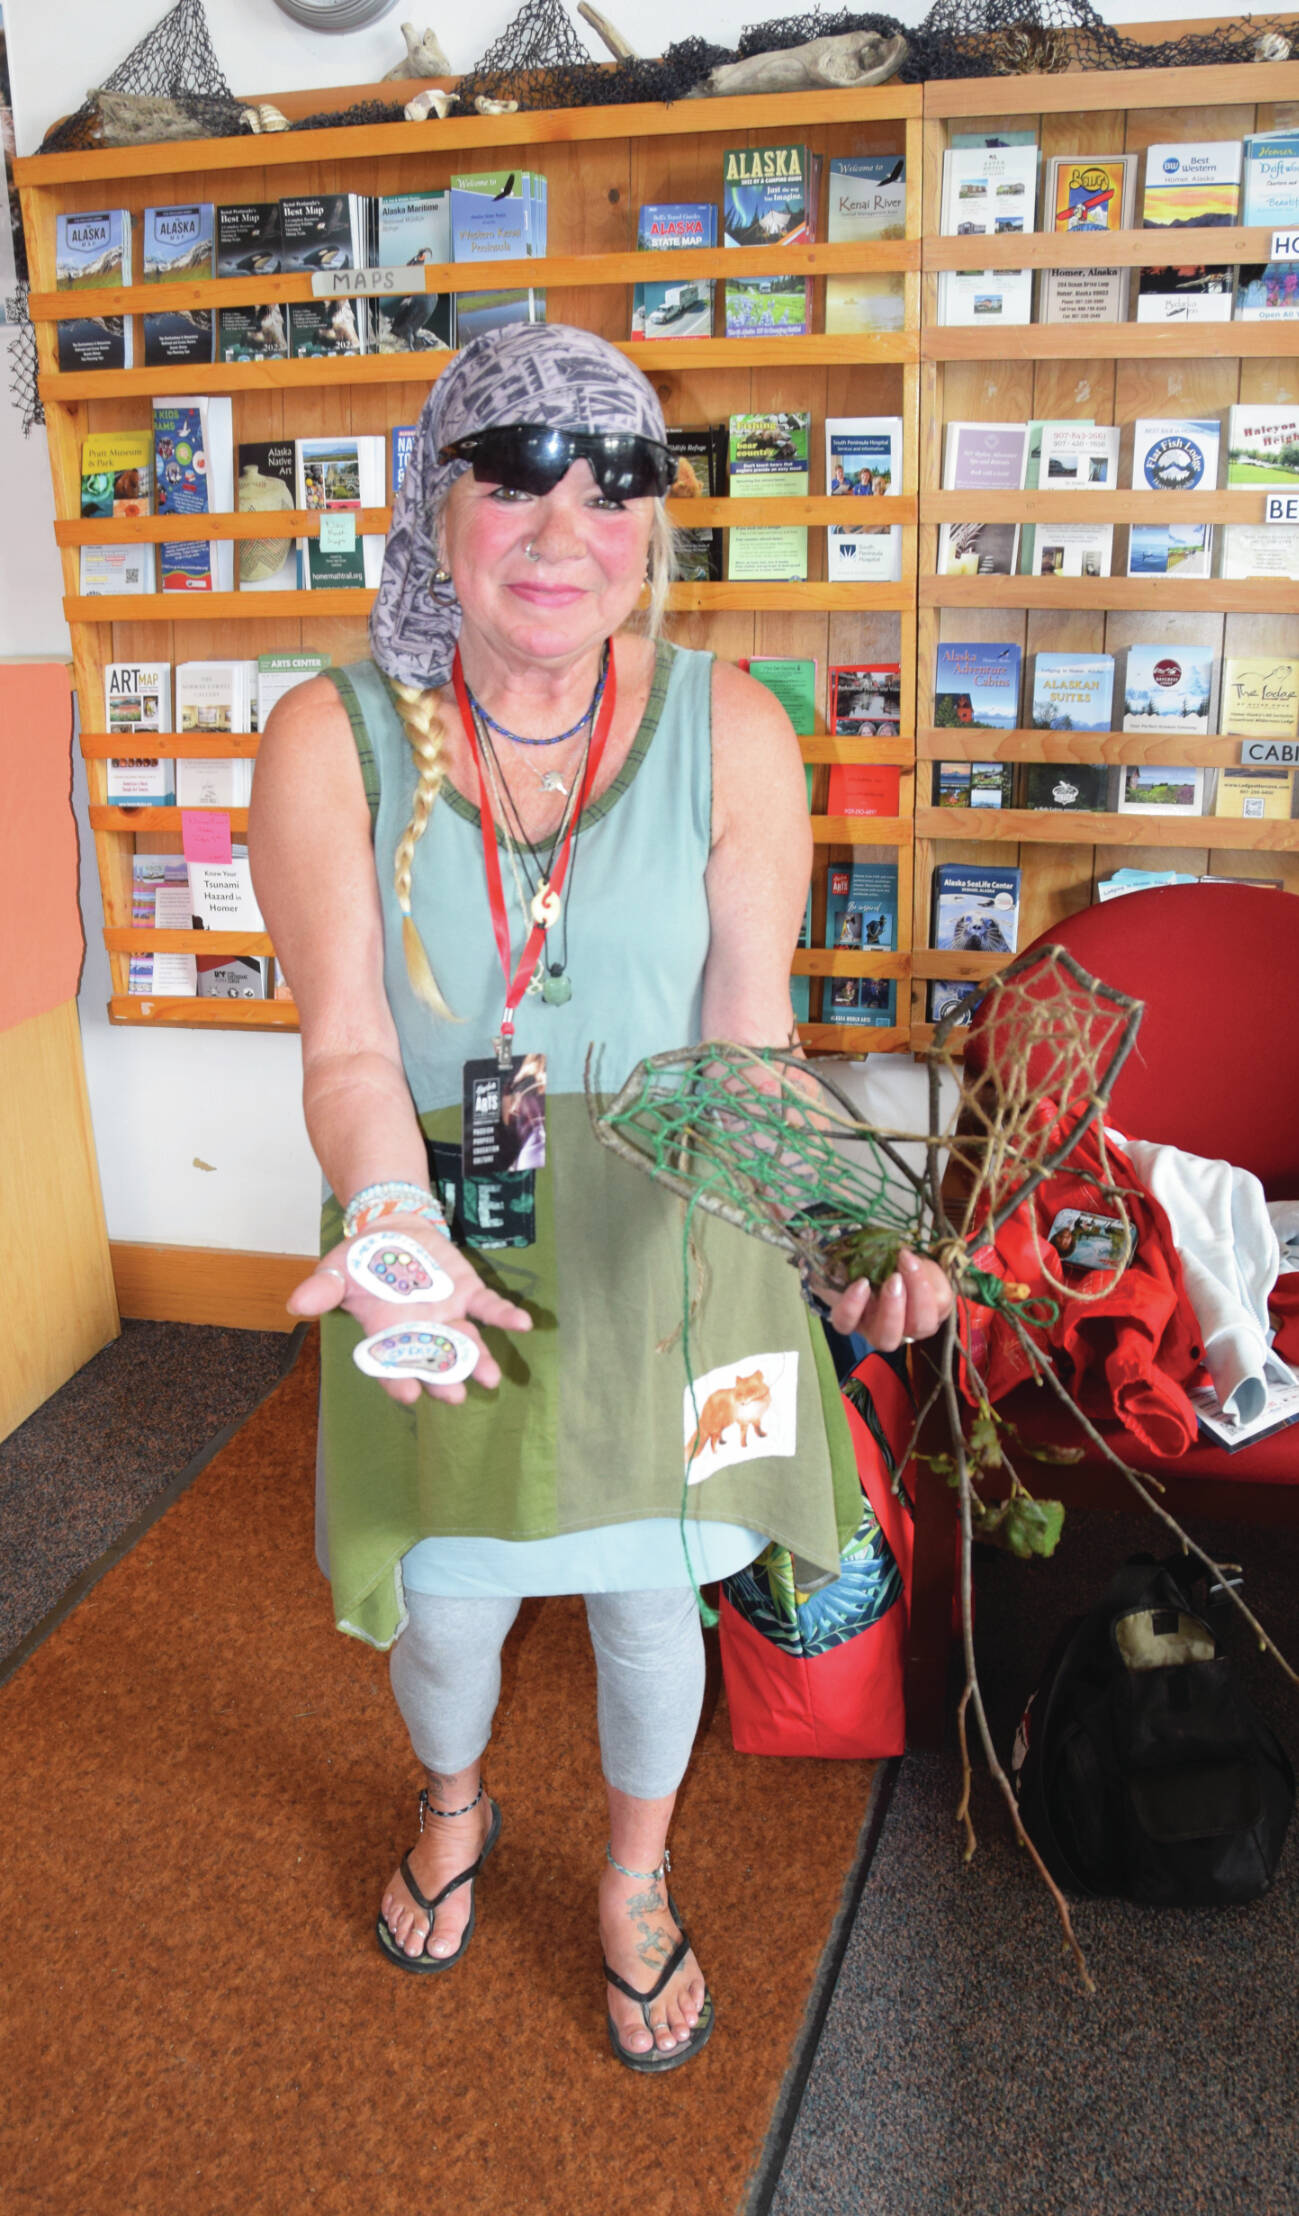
(556, 989)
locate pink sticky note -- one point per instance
(205, 834)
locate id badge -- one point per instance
(1084, 1240)
(485, 1212)
(504, 1125)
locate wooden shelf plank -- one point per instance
(824, 260)
(853, 1038)
(896, 753)
(686, 513)
(203, 1015)
(1114, 250)
(127, 822)
(861, 830)
(838, 961)
(1083, 92)
(1078, 827)
(1156, 342)
(1180, 596)
(269, 607)
(125, 939)
(1182, 749)
(955, 965)
(817, 351)
(166, 746)
(559, 126)
(1243, 505)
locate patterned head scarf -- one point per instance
(547, 373)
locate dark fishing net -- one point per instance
(174, 61)
(24, 392)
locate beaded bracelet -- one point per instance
(375, 1202)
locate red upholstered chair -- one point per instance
(1215, 1071)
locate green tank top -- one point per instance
(590, 1426)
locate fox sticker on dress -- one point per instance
(740, 1412)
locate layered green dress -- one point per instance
(590, 1429)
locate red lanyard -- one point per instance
(518, 985)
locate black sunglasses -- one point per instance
(526, 457)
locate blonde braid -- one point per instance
(421, 717)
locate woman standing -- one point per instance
(518, 832)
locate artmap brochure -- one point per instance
(1073, 692)
(179, 243)
(1090, 197)
(1271, 179)
(137, 699)
(866, 199)
(92, 251)
(768, 459)
(414, 228)
(1262, 449)
(976, 685)
(674, 308)
(987, 193)
(981, 457)
(863, 461)
(194, 473)
(1168, 688)
(1173, 456)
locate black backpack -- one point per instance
(1143, 1771)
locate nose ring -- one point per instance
(530, 551)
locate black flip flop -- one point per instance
(657, 2060)
(424, 1964)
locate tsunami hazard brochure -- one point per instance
(1262, 449)
(675, 308)
(1173, 456)
(863, 461)
(194, 472)
(976, 685)
(988, 192)
(866, 198)
(414, 228)
(1168, 689)
(982, 457)
(861, 916)
(1271, 180)
(1073, 692)
(179, 246)
(1088, 197)
(768, 459)
(976, 911)
(92, 253)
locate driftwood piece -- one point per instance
(607, 32)
(141, 119)
(424, 57)
(823, 65)
(431, 102)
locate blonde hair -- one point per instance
(421, 714)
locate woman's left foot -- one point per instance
(639, 1932)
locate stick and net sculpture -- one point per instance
(773, 1146)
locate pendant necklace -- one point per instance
(534, 895)
(550, 780)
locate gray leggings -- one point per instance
(649, 1658)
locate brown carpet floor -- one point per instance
(204, 1789)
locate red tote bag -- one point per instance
(821, 1673)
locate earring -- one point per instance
(439, 579)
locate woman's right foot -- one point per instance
(446, 1846)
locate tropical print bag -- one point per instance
(820, 1673)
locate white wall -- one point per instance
(161, 1099)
